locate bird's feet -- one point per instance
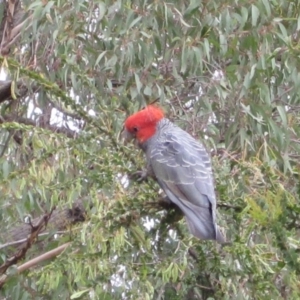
(162, 202)
(139, 176)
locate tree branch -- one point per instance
(63, 130)
(35, 261)
(35, 230)
(59, 220)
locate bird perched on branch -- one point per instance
(181, 166)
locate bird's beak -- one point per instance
(126, 135)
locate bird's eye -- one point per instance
(135, 129)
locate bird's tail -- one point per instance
(201, 223)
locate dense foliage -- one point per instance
(226, 71)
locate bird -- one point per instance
(181, 166)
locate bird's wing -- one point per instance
(182, 168)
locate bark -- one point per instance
(60, 219)
(11, 24)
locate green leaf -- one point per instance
(192, 8)
(101, 55)
(135, 21)
(254, 14)
(102, 10)
(267, 6)
(282, 114)
(223, 44)
(77, 295)
(148, 90)
(138, 82)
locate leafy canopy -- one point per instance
(226, 71)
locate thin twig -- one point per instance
(35, 230)
(35, 261)
(25, 239)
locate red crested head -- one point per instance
(142, 124)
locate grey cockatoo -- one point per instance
(181, 166)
